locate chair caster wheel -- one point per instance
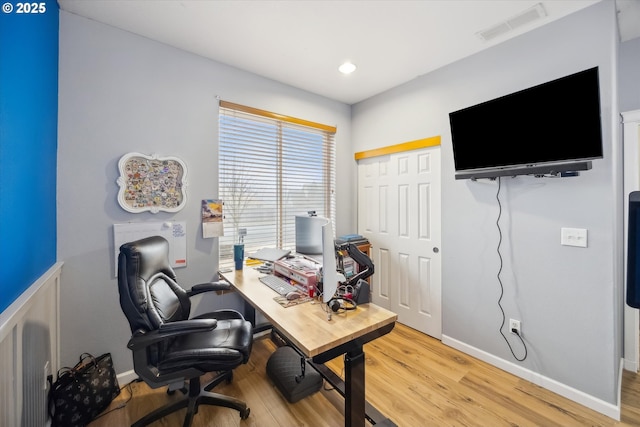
(245, 414)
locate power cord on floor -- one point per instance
(504, 318)
(325, 382)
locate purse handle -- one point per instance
(80, 365)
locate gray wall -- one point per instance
(121, 93)
(568, 299)
(629, 75)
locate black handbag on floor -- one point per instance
(81, 393)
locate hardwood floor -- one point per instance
(412, 378)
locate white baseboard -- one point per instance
(126, 377)
(591, 402)
(630, 365)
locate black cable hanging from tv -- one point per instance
(504, 319)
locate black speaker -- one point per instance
(361, 292)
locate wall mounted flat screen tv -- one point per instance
(546, 129)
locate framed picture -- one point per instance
(151, 183)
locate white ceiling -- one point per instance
(302, 43)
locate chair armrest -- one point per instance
(208, 287)
(191, 325)
(141, 339)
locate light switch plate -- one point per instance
(573, 237)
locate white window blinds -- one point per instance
(271, 168)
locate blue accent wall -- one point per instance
(28, 145)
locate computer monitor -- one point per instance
(309, 234)
(329, 267)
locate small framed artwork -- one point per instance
(151, 183)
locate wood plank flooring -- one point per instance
(412, 378)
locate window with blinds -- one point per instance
(271, 168)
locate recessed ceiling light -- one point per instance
(347, 68)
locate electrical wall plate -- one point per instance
(573, 237)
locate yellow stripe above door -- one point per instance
(398, 148)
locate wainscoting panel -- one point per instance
(29, 335)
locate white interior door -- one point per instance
(399, 212)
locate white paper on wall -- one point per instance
(174, 231)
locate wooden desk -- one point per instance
(307, 328)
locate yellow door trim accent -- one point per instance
(398, 148)
(276, 116)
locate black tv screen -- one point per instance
(557, 121)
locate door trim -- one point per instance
(432, 141)
(631, 141)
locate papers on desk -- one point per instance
(269, 254)
(283, 301)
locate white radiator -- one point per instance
(29, 334)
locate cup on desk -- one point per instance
(238, 255)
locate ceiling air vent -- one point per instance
(532, 14)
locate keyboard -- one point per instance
(279, 285)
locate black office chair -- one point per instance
(168, 346)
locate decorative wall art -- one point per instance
(151, 183)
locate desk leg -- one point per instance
(250, 315)
(354, 411)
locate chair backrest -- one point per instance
(149, 294)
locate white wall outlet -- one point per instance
(514, 327)
(47, 372)
(573, 237)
